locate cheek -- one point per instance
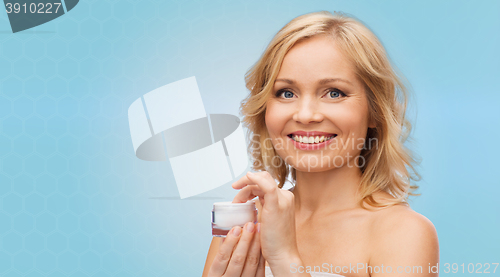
(275, 119)
(350, 118)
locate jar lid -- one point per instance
(229, 206)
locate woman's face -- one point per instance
(317, 116)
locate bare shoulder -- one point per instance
(401, 219)
(401, 235)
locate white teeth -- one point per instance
(309, 140)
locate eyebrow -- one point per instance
(321, 82)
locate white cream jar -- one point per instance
(226, 215)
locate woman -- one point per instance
(327, 108)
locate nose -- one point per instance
(307, 112)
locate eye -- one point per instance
(335, 93)
(284, 93)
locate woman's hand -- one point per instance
(277, 219)
(239, 254)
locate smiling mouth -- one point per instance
(312, 139)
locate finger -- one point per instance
(241, 183)
(222, 258)
(263, 179)
(268, 185)
(261, 269)
(247, 180)
(247, 193)
(239, 256)
(253, 256)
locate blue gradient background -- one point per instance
(75, 201)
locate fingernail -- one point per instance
(250, 227)
(258, 227)
(236, 231)
(250, 173)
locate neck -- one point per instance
(327, 191)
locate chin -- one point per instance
(320, 163)
(313, 169)
(312, 164)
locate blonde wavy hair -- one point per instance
(388, 167)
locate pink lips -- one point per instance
(311, 133)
